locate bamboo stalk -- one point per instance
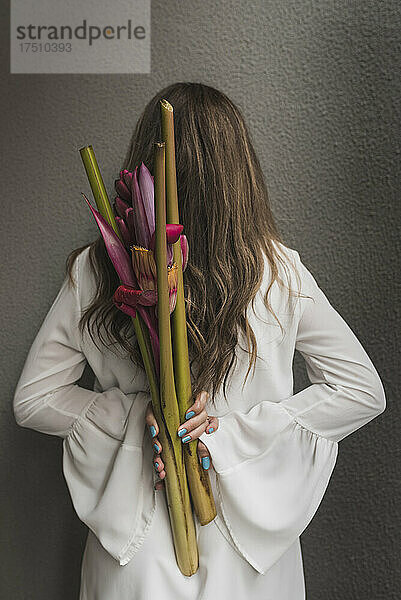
(98, 187)
(198, 478)
(178, 499)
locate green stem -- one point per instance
(198, 478)
(178, 498)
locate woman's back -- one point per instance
(273, 453)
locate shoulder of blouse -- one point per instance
(292, 278)
(300, 278)
(289, 258)
(84, 277)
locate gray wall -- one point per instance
(317, 82)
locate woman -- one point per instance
(251, 302)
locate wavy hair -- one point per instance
(227, 218)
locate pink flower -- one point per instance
(135, 214)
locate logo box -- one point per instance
(80, 36)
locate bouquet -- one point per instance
(149, 255)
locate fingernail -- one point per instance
(205, 462)
(156, 465)
(181, 432)
(190, 414)
(156, 447)
(210, 430)
(186, 439)
(152, 430)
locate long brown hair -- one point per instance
(227, 218)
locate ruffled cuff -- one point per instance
(271, 485)
(106, 467)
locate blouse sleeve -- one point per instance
(273, 463)
(102, 432)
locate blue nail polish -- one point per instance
(186, 439)
(205, 462)
(156, 447)
(156, 466)
(152, 430)
(190, 414)
(210, 430)
(181, 432)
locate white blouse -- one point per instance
(273, 453)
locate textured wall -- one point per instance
(319, 85)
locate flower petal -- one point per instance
(144, 267)
(127, 176)
(126, 299)
(173, 300)
(121, 206)
(153, 242)
(146, 186)
(122, 190)
(127, 309)
(130, 221)
(184, 251)
(173, 232)
(124, 231)
(115, 248)
(172, 279)
(170, 255)
(142, 232)
(127, 294)
(148, 298)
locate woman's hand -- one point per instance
(197, 422)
